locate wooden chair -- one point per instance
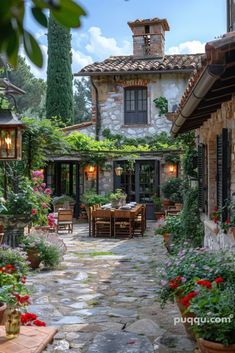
(140, 222)
(65, 220)
(101, 222)
(123, 223)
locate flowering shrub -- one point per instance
(16, 258)
(180, 272)
(215, 304)
(43, 195)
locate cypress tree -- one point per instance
(59, 98)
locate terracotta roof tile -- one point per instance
(131, 64)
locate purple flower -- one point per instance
(163, 282)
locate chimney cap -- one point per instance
(150, 21)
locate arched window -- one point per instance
(135, 111)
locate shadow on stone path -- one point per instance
(103, 298)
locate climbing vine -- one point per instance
(162, 104)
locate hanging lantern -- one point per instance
(118, 171)
(10, 135)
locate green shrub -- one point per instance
(62, 199)
(172, 190)
(90, 198)
(50, 256)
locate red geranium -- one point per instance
(186, 300)
(219, 280)
(175, 283)
(204, 283)
(30, 319)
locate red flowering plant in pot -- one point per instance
(214, 310)
(180, 271)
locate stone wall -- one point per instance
(215, 238)
(111, 102)
(222, 118)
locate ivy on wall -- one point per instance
(162, 104)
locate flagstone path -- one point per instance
(103, 298)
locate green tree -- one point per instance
(33, 101)
(59, 98)
(82, 100)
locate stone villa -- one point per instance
(123, 90)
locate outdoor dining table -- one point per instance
(134, 212)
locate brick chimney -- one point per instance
(149, 37)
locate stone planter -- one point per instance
(33, 258)
(187, 326)
(116, 203)
(213, 347)
(2, 311)
(13, 228)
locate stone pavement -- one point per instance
(103, 298)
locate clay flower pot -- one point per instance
(213, 347)
(187, 326)
(34, 258)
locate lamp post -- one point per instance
(10, 136)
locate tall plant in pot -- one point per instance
(158, 204)
(172, 190)
(118, 198)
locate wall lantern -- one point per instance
(10, 135)
(172, 169)
(90, 172)
(118, 171)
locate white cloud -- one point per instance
(79, 60)
(39, 73)
(103, 46)
(190, 47)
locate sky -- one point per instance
(104, 31)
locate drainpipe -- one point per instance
(98, 118)
(210, 75)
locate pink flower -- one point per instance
(43, 185)
(34, 211)
(35, 189)
(48, 191)
(38, 174)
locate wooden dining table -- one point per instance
(134, 212)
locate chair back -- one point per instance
(65, 215)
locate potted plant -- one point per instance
(61, 201)
(40, 250)
(118, 198)
(172, 191)
(159, 210)
(179, 274)
(215, 303)
(91, 198)
(169, 228)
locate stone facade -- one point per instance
(111, 102)
(222, 118)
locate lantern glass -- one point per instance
(8, 143)
(118, 171)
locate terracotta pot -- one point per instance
(159, 215)
(213, 347)
(166, 203)
(42, 228)
(2, 311)
(167, 237)
(34, 258)
(187, 326)
(232, 230)
(178, 206)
